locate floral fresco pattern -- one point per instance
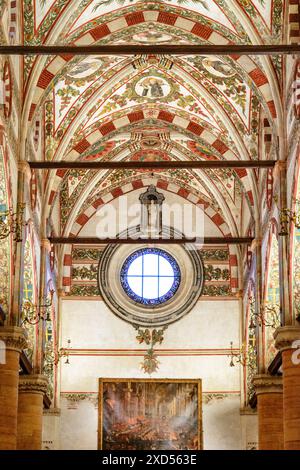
(5, 248)
(273, 296)
(29, 294)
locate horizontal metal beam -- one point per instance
(158, 49)
(139, 241)
(125, 165)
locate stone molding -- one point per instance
(33, 384)
(264, 383)
(285, 336)
(52, 412)
(14, 337)
(248, 411)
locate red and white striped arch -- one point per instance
(164, 184)
(124, 21)
(165, 116)
(294, 21)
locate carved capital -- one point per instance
(239, 294)
(256, 243)
(33, 384)
(61, 293)
(14, 338)
(24, 167)
(265, 383)
(280, 165)
(285, 336)
(46, 244)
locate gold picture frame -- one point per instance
(162, 414)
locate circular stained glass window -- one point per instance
(150, 276)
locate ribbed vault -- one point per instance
(152, 107)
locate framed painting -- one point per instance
(150, 414)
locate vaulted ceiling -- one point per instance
(152, 107)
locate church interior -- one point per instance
(149, 225)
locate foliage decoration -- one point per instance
(150, 363)
(86, 253)
(216, 274)
(215, 291)
(215, 255)
(84, 272)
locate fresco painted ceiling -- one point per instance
(152, 107)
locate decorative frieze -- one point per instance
(84, 272)
(213, 273)
(84, 291)
(74, 399)
(216, 290)
(80, 254)
(213, 396)
(215, 255)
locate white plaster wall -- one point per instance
(51, 429)
(78, 426)
(105, 346)
(90, 324)
(249, 421)
(222, 424)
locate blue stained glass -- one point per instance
(150, 276)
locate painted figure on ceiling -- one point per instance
(153, 87)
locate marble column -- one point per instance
(32, 389)
(12, 341)
(270, 411)
(287, 340)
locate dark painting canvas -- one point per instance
(153, 414)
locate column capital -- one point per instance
(14, 337)
(45, 243)
(24, 167)
(61, 292)
(239, 294)
(285, 336)
(257, 242)
(265, 383)
(33, 384)
(280, 165)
